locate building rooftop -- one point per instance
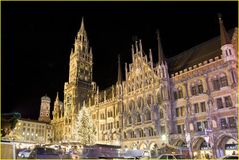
(196, 54)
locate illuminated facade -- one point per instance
(159, 103)
(32, 131)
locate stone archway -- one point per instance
(201, 148)
(143, 146)
(226, 145)
(198, 142)
(180, 143)
(153, 146)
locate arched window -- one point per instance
(141, 133)
(219, 81)
(151, 131)
(129, 120)
(140, 102)
(147, 115)
(132, 134)
(161, 114)
(150, 100)
(131, 105)
(159, 98)
(138, 118)
(125, 135)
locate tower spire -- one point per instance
(82, 27)
(57, 96)
(223, 33)
(119, 71)
(160, 50)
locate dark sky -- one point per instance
(37, 38)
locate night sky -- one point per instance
(37, 38)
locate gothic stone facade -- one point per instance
(156, 103)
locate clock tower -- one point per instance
(45, 109)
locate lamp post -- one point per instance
(164, 138)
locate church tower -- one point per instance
(45, 109)
(81, 58)
(80, 85)
(164, 89)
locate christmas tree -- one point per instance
(84, 127)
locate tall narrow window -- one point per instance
(180, 93)
(219, 103)
(200, 88)
(199, 126)
(194, 90)
(182, 111)
(161, 114)
(196, 108)
(148, 115)
(228, 101)
(179, 129)
(175, 95)
(216, 85)
(177, 112)
(129, 120)
(138, 118)
(205, 124)
(233, 76)
(162, 129)
(151, 131)
(223, 81)
(223, 123)
(232, 122)
(203, 106)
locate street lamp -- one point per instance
(164, 138)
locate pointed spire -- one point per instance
(140, 48)
(136, 46)
(82, 27)
(160, 50)
(119, 71)
(57, 96)
(223, 33)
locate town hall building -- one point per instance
(189, 100)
